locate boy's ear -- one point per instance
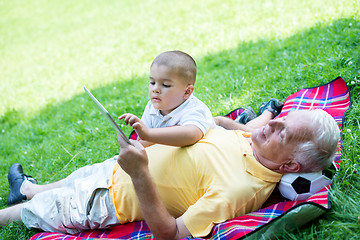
(189, 90)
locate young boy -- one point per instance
(173, 116)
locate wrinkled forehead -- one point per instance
(303, 115)
(300, 125)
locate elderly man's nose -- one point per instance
(274, 124)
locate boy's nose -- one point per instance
(156, 88)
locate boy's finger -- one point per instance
(127, 119)
(132, 120)
(136, 125)
(122, 116)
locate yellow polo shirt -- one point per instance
(209, 182)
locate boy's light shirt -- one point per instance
(192, 111)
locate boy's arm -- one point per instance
(133, 160)
(133, 119)
(174, 136)
(145, 143)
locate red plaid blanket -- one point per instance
(277, 214)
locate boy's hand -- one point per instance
(141, 130)
(129, 119)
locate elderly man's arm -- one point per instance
(133, 160)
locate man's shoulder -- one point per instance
(226, 136)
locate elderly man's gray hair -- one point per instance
(318, 153)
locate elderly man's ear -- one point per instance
(290, 166)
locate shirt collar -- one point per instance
(256, 169)
(155, 112)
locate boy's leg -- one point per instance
(246, 116)
(261, 120)
(258, 122)
(268, 110)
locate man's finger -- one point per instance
(122, 142)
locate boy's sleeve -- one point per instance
(200, 117)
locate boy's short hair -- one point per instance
(181, 62)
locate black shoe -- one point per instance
(16, 179)
(273, 105)
(246, 116)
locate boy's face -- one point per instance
(167, 90)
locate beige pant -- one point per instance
(82, 203)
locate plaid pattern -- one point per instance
(333, 97)
(243, 225)
(234, 113)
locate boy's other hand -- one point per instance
(135, 122)
(141, 130)
(129, 119)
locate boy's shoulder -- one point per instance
(193, 101)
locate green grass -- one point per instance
(246, 51)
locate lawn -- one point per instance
(247, 52)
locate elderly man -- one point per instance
(183, 191)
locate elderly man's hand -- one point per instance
(132, 158)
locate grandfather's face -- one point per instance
(275, 143)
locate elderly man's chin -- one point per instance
(257, 136)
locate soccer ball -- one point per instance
(295, 186)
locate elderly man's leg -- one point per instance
(30, 189)
(63, 206)
(10, 214)
(24, 187)
(79, 202)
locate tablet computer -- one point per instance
(107, 115)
